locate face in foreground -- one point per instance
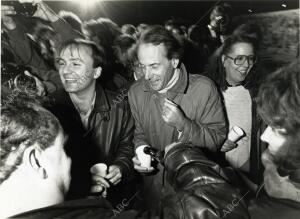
(275, 138)
(157, 68)
(236, 74)
(58, 164)
(76, 70)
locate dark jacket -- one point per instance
(201, 187)
(107, 140)
(81, 209)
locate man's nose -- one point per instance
(148, 74)
(266, 135)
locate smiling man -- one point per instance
(169, 105)
(100, 131)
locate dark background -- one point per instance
(156, 12)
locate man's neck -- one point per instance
(18, 196)
(83, 100)
(172, 81)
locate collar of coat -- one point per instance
(180, 87)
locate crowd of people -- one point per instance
(76, 94)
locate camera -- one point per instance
(25, 9)
(14, 78)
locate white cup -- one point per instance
(144, 158)
(99, 169)
(235, 134)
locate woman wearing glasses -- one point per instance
(237, 79)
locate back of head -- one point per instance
(129, 29)
(23, 123)
(122, 46)
(157, 35)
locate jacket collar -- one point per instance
(180, 87)
(101, 103)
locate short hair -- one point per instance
(279, 105)
(252, 78)
(23, 123)
(97, 51)
(157, 35)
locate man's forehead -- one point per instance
(159, 49)
(76, 51)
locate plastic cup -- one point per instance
(144, 158)
(99, 169)
(235, 133)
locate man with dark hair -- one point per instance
(99, 124)
(170, 105)
(279, 106)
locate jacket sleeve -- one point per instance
(125, 150)
(208, 129)
(202, 188)
(139, 134)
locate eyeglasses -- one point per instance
(241, 59)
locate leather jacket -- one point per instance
(201, 187)
(108, 138)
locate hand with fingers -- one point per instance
(114, 174)
(100, 183)
(139, 168)
(173, 115)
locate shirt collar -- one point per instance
(179, 87)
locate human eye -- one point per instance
(278, 130)
(76, 64)
(60, 62)
(154, 66)
(240, 59)
(252, 59)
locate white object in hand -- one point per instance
(99, 169)
(235, 134)
(144, 158)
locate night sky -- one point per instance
(156, 12)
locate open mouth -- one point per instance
(70, 80)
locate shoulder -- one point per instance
(137, 86)
(200, 82)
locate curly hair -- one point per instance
(279, 106)
(24, 123)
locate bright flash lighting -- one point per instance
(86, 3)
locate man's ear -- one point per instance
(175, 62)
(32, 156)
(97, 72)
(223, 59)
